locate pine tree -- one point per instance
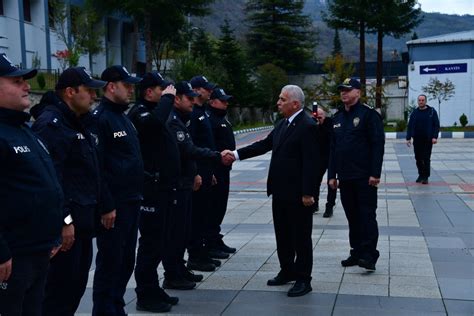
(337, 48)
(279, 33)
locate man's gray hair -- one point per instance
(294, 93)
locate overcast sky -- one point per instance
(451, 7)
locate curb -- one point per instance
(402, 135)
(255, 129)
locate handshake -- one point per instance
(227, 157)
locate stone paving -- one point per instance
(426, 266)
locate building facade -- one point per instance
(449, 56)
(29, 38)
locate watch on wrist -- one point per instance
(68, 220)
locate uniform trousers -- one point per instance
(359, 200)
(422, 148)
(220, 195)
(67, 278)
(154, 244)
(22, 293)
(331, 197)
(293, 223)
(115, 260)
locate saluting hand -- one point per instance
(170, 90)
(5, 270)
(108, 220)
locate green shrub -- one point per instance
(463, 120)
(401, 126)
(41, 80)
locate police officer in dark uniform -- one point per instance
(161, 163)
(356, 158)
(181, 218)
(324, 140)
(224, 139)
(201, 134)
(31, 199)
(60, 124)
(119, 152)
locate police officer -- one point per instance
(30, 197)
(224, 139)
(324, 139)
(161, 163)
(60, 124)
(201, 134)
(356, 158)
(181, 218)
(119, 152)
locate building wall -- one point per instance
(424, 56)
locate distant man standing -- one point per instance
(356, 157)
(324, 139)
(423, 127)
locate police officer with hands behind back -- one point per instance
(161, 164)
(31, 199)
(60, 124)
(356, 157)
(119, 152)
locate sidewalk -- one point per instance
(426, 243)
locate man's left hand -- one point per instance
(374, 182)
(434, 141)
(197, 182)
(308, 200)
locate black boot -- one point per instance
(329, 210)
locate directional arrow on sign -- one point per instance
(426, 69)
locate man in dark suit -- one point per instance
(292, 184)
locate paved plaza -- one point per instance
(426, 244)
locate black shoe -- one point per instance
(172, 300)
(300, 288)
(190, 276)
(217, 254)
(350, 262)
(315, 209)
(154, 306)
(179, 284)
(279, 280)
(200, 265)
(424, 181)
(224, 248)
(215, 262)
(419, 179)
(328, 212)
(369, 265)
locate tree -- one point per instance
(440, 91)
(279, 33)
(233, 60)
(337, 48)
(154, 17)
(204, 47)
(78, 29)
(269, 81)
(352, 16)
(394, 18)
(336, 69)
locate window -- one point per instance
(26, 10)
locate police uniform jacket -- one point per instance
(325, 134)
(201, 134)
(119, 154)
(73, 149)
(161, 157)
(357, 146)
(295, 158)
(31, 198)
(178, 122)
(222, 131)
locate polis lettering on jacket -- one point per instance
(120, 134)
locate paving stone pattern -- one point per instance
(426, 266)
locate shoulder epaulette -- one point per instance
(369, 106)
